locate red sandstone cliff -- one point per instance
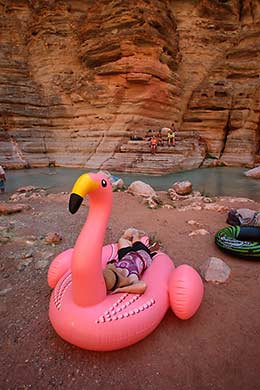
(78, 77)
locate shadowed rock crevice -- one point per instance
(240, 9)
(227, 131)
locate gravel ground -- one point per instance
(219, 348)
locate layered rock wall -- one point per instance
(224, 106)
(78, 78)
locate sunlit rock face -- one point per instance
(224, 104)
(78, 78)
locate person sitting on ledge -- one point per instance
(171, 137)
(160, 138)
(149, 134)
(153, 145)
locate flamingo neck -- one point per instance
(88, 286)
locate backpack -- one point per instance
(233, 218)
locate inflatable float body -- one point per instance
(82, 312)
(239, 240)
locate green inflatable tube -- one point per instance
(239, 240)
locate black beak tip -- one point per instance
(74, 203)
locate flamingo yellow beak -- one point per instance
(83, 186)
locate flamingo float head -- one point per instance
(97, 186)
(88, 284)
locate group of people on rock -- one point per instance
(156, 139)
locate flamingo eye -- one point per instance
(103, 183)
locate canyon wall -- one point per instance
(78, 78)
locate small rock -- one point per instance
(23, 264)
(26, 189)
(190, 207)
(43, 259)
(197, 232)
(44, 256)
(4, 240)
(47, 255)
(118, 185)
(192, 222)
(6, 208)
(53, 238)
(4, 291)
(41, 264)
(6, 232)
(206, 199)
(27, 255)
(182, 187)
(15, 197)
(172, 194)
(167, 206)
(29, 242)
(153, 203)
(197, 194)
(35, 196)
(215, 270)
(216, 207)
(235, 200)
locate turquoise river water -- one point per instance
(209, 181)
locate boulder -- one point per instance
(182, 187)
(142, 189)
(6, 208)
(215, 270)
(255, 172)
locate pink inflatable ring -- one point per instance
(82, 312)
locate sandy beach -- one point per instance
(218, 348)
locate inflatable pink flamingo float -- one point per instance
(82, 312)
